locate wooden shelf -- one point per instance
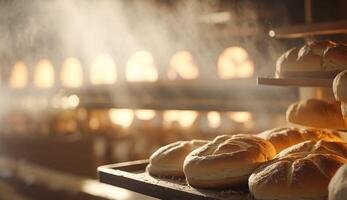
(219, 95)
(298, 82)
(322, 28)
(133, 176)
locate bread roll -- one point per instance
(335, 58)
(168, 160)
(340, 91)
(316, 113)
(287, 62)
(338, 184)
(283, 138)
(226, 161)
(300, 172)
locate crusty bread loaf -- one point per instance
(310, 55)
(338, 185)
(316, 113)
(315, 48)
(226, 161)
(168, 160)
(340, 91)
(300, 172)
(283, 138)
(335, 58)
(287, 62)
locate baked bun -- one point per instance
(340, 90)
(338, 184)
(287, 63)
(168, 160)
(335, 58)
(226, 161)
(283, 138)
(316, 113)
(300, 172)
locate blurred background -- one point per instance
(88, 83)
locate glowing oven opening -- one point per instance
(214, 119)
(72, 73)
(103, 70)
(19, 75)
(44, 74)
(141, 68)
(234, 62)
(182, 64)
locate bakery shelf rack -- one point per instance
(304, 30)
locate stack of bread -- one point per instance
(282, 163)
(317, 59)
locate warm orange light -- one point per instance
(214, 119)
(122, 117)
(19, 75)
(71, 73)
(103, 70)
(234, 62)
(182, 64)
(94, 123)
(184, 117)
(141, 68)
(240, 117)
(145, 114)
(44, 74)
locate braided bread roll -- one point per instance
(283, 138)
(226, 161)
(300, 172)
(168, 160)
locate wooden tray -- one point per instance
(299, 82)
(132, 176)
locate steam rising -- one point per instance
(87, 29)
(61, 28)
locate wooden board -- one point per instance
(299, 82)
(132, 176)
(322, 28)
